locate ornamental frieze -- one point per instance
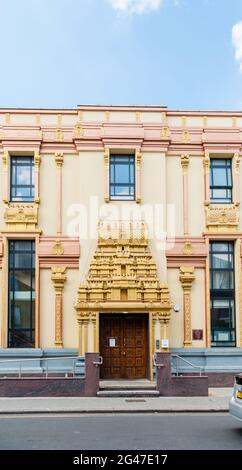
(222, 217)
(19, 216)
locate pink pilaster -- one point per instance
(59, 162)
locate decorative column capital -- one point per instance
(106, 157)
(78, 132)
(138, 156)
(5, 159)
(59, 137)
(185, 161)
(59, 159)
(165, 133)
(206, 162)
(237, 162)
(106, 165)
(187, 276)
(37, 160)
(58, 278)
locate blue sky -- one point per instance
(179, 53)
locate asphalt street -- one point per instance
(121, 432)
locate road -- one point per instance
(121, 432)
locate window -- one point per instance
(21, 294)
(122, 177)
(221, 180)
(222, 294)
(22, 179)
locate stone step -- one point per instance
(128, 393)
(127, 385)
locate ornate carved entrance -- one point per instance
(122, 279)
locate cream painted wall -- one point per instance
(48, 190)
(175, 190)
(196, 219)
(71, 186)
(153, 196)
(70, 326)
(177, 324)
(47, 310)
(198, 318)
(91, 198)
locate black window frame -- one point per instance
(123, 159)
(12, 342)
(20, 161)
(229, 188)
(227, 294)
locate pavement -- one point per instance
(216, 402)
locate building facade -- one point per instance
(120, 233)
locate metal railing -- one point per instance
(187, 362)
(45, 368)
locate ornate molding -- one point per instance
(37, 160)
(59, 159)
(187, 278)
(237, 162)
(138, 159)
(21, 217)
(58, 248)
(59, 136)
(58, 278)
(206, 162)
(188, 248)
(186, 137)
(122, 275)
(106, 167)
(78, 132)
(165, 133)
(185, 161)
(222, 217)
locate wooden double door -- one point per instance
(124, 346)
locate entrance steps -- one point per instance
(127, 388)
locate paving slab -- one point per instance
(217, 401)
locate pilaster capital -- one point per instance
(58, 278)
(5, 159)
(187, 276)
(59, 159)
(206, 162)
(237, 161)
(37, 160)
(185, 160)
(78, 132)
(138, 156)
(106, 158)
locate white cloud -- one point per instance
(237, 42)
(135, 6)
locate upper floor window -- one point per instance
(122, 177)
(221, 180)
(222, 294)
(22, 179)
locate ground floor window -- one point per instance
(222, 296)
(21, 294)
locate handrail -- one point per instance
(187, 362)
(21, 361)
